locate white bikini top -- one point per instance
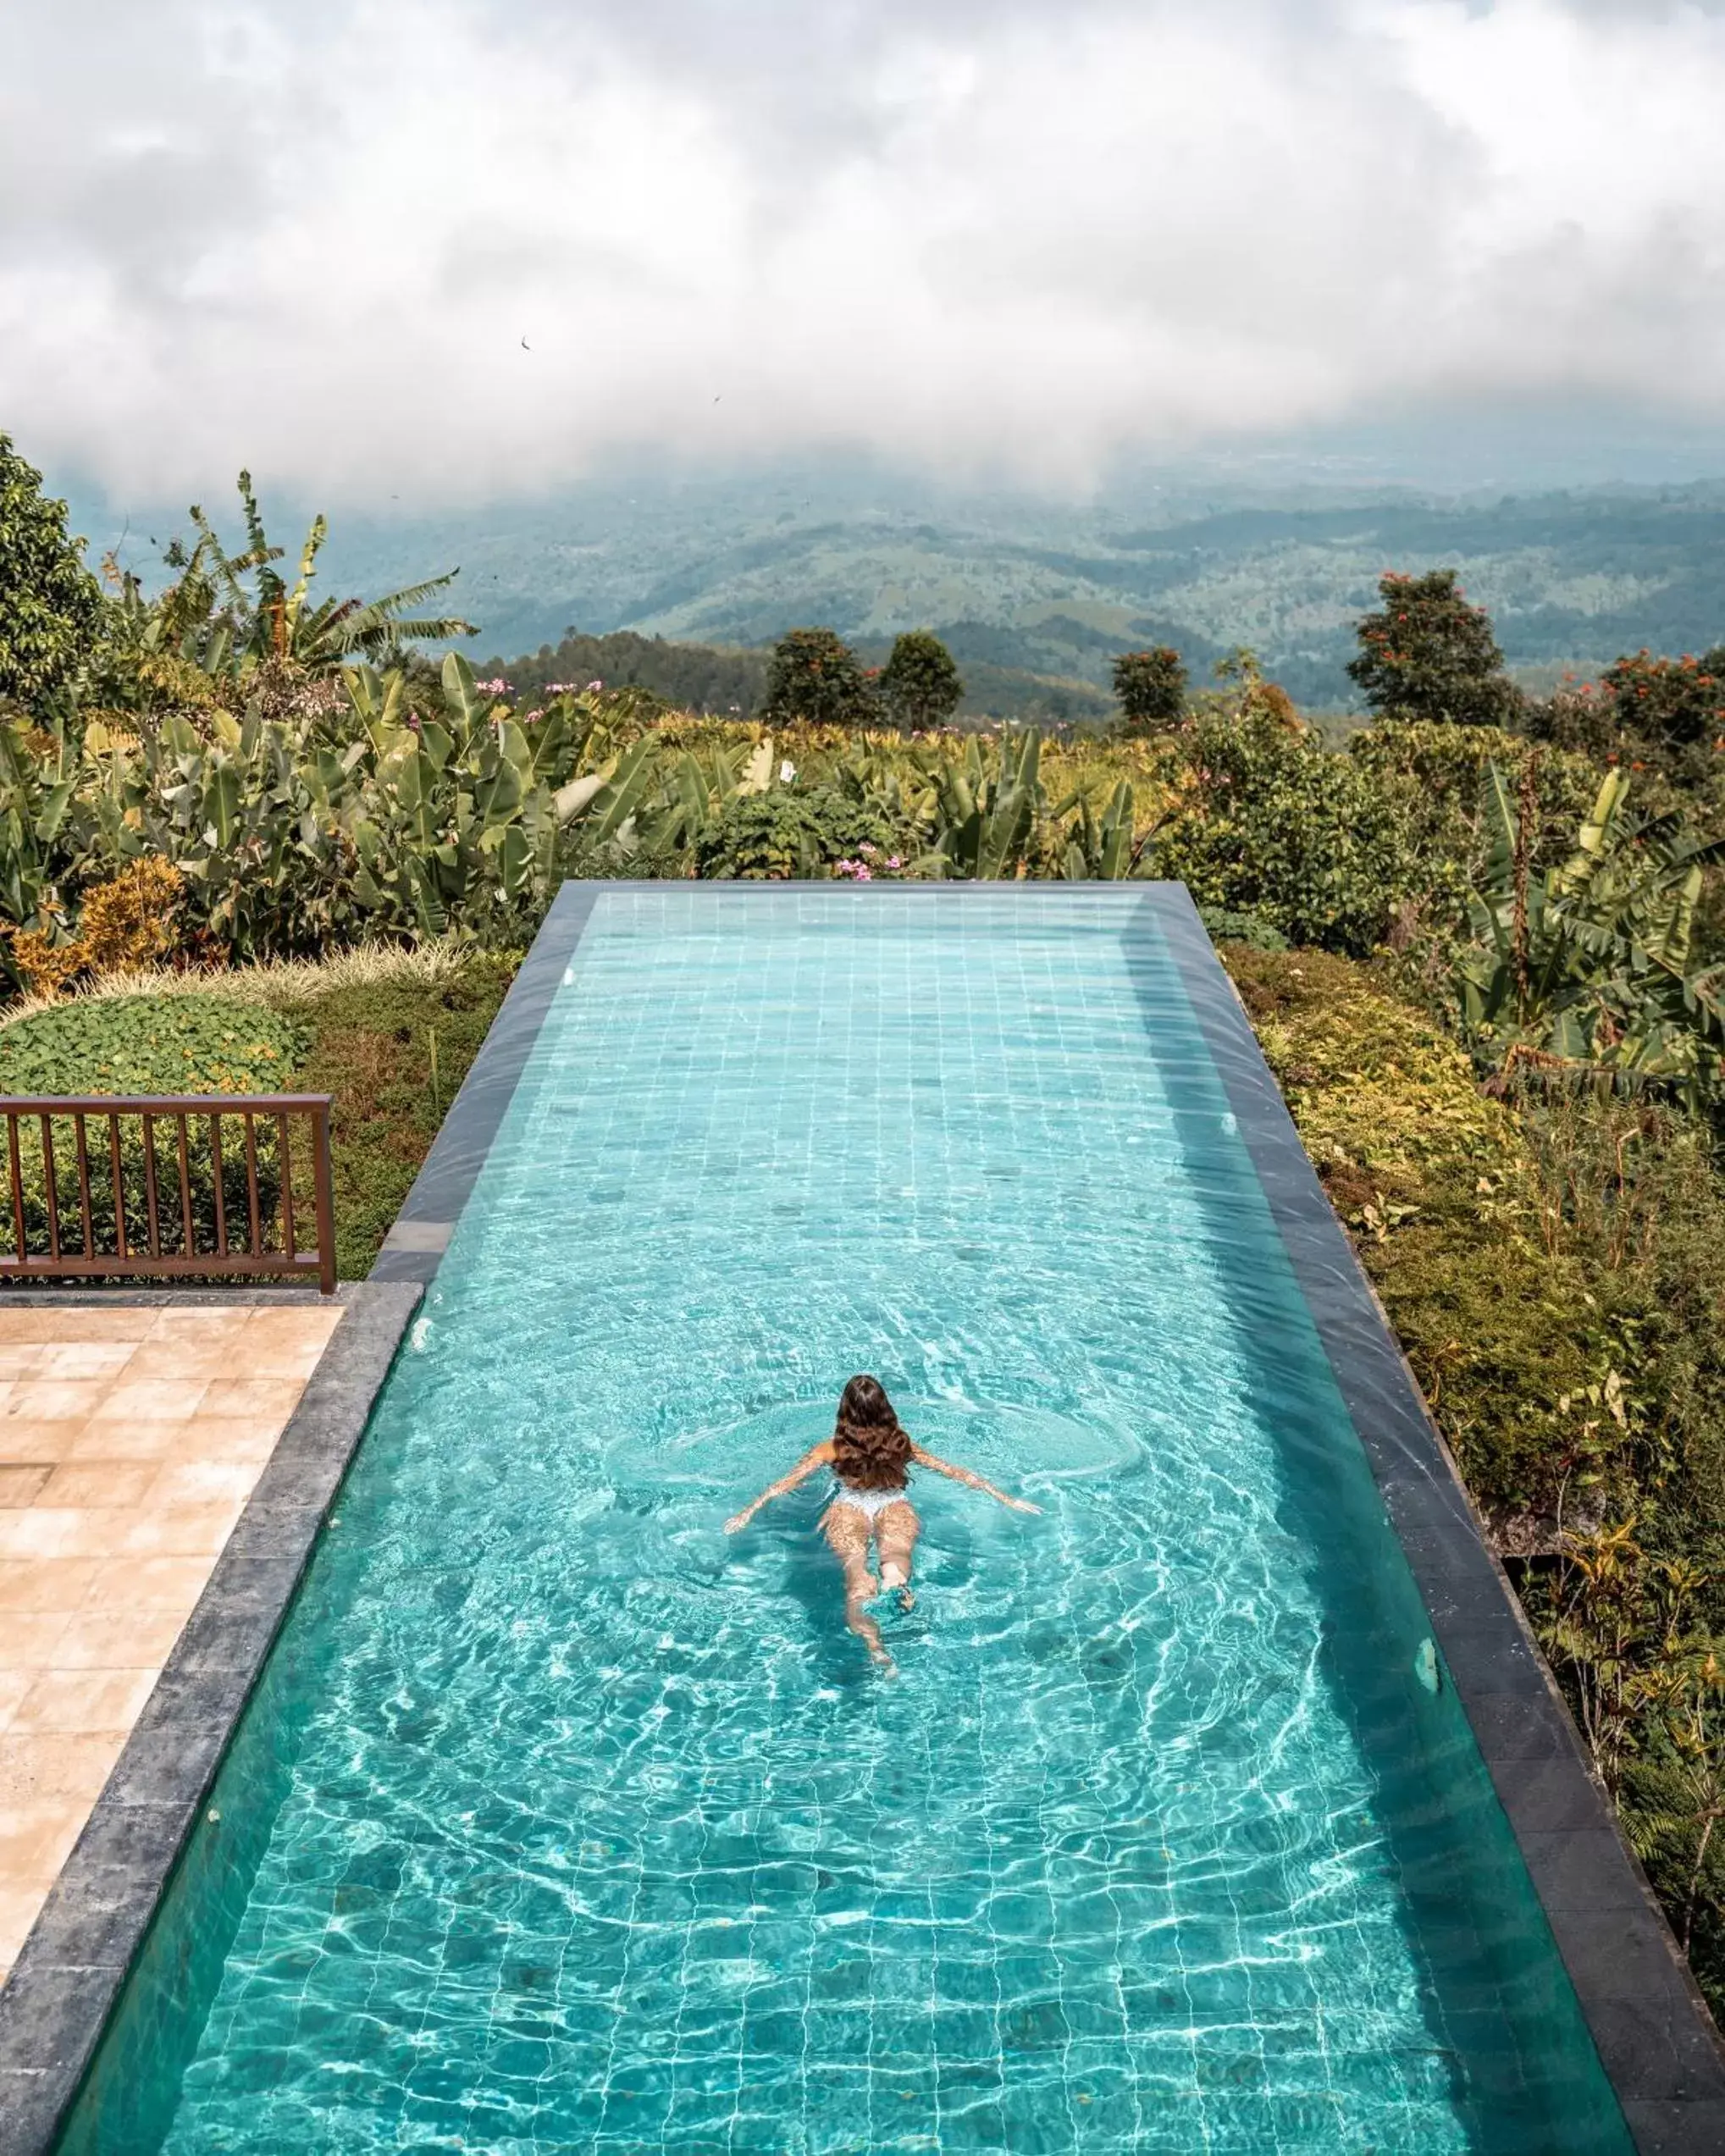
(870, 1503)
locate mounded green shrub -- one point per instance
(150, 1044)
(768, 838)
(1228, 925)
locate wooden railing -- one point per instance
(87, 1202)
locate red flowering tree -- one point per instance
(1429, 655)
(815, 677)
(1669, 704)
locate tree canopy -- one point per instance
(919, 684)
(51, 606)
(1428, 655)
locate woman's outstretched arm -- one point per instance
(817, 1455)
(970, 1481)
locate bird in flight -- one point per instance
(525, 346)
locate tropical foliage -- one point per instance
(1587, 964)
(50, 609)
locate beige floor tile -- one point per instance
(183, 1530)
(30, 1443)
(62, 1321)
(31, 1639)
(236, 1439)
(264, 1400)
(98, 1483)
(192, 1361)
(147, 1583)
(36, 1834)
(87, 1702)
(63, 1531)
(21, 1485)
(117, 1639)
(14, 1688)
(202, 1321)
(35, 1768)
(51, 1400)
(130, 1439)
(86, 1358)
(118, 1440)
(205, 1478)
(150, 1400)
(46, 1586)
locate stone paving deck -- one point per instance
(130, 1438)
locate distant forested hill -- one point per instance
(1019, 587)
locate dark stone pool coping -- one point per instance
(71, 1968)
(1654, 2034)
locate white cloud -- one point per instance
(1020, 235)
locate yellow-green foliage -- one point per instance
(1518, 1337)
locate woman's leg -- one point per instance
(848, 1531)
(895, 1532)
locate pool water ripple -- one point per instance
(562, 1821)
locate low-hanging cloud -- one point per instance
(979, 235)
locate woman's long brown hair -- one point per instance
(869, 1449)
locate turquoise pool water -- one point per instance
(561, 1823)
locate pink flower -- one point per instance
(893, 861)
(593, 688)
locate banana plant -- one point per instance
(1100, 849)
(1587, 965)
(460, 811)
(987, 818)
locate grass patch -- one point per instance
(372, 1044)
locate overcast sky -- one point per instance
(1012, 236)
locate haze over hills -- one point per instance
(1025, 585)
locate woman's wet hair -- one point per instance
(869, 1449)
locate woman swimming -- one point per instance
(869, 1452)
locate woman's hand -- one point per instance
(739, 1520)
(1023, 1505)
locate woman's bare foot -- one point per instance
(894, 1575)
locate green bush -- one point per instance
(1272, 823)
(149, 1045)
(1225, 925)
(768, 838)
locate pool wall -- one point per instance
(1653, 2034)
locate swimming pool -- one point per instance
(561, 1823)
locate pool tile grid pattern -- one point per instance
(250, 2010)
(206, 1646)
